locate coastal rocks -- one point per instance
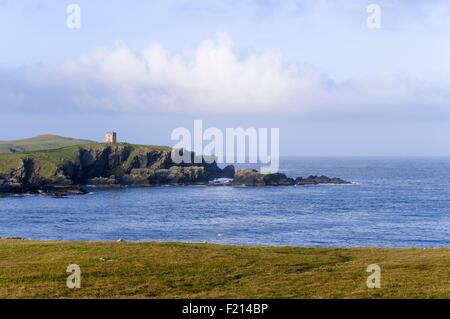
(100, 161)
(139, 166)
(63, 191)
(252, 177)
(188, 175)
(228, 172)
(28, 178)
(56, 191)
(104, 165)
(102, 181)
(137, 176)
(180, 175)
(174, 175)
(277, 179)
(10, 187)
(28, 172)
(314, 180)
(248, 177)
(62, 171)
(143, 159)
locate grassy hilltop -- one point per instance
(42, 142)
(37, 269)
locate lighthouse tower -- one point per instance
(111, 137)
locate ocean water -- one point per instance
(393, 202)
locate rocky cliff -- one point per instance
(101, 165)
(68, 169)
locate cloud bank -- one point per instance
(214, 79)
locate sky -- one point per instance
(312, 68)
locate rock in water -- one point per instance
(278, 179)
(228, 172)
(248, 177)
(252, 177)
(314, 180)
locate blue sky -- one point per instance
(312, 68)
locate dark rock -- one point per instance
(248, 177)
(252, 177)
(305, 181)
(64, 191)
(160, 176)
(180, 175)
(11, 188)
(314, 180)
(277, 179)
(101, 181)
(137, 176)
(188, 175)
(337, 180)
(228, 172)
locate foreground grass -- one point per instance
(33, 269)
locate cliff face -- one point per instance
(100, 164)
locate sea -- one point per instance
(391, 202)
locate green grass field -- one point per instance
(34, 269)
(42, 142)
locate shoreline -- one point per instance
(37, 269)
(168, 242)
(76, 190)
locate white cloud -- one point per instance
(211, 80)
